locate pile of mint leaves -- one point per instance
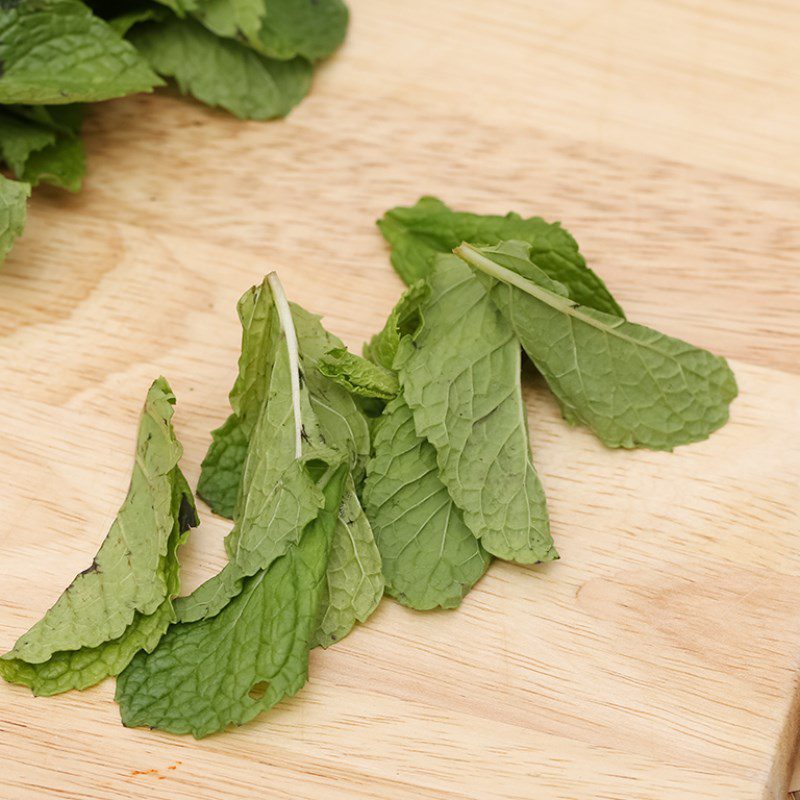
(253, 58)
(405, 470)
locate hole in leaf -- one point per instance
(258, 690)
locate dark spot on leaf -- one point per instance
(93, 567)
(304, 435)
(258, 690)
(301, 378)
(187, 515)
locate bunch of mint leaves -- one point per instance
(253, 58)
(405, 470)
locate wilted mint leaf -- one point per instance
(123, 602)
(358, 376)
(404, 320)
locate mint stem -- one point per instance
(287, 326)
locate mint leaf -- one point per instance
(430, 557)
(420, 232)
(36, 153)
(123, 602)
(19, 138)
(222, 72)
(632, 386)
(124, 22)
(354, 581)
(61, 164)
(357, 375)
(404, 320)
(281, 29)
(221, 470)
(337, 412)
(57, 51)
(66, 119)
(230, 667)
(461, 378)
(302, 27)
(243, 640)
(278, 496)
(13, 210)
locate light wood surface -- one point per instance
(659, 659)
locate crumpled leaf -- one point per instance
(405, 319)
(13, 210)
(229, 667)
(417, 234)
(123, 602)
(430, 557)
(222, 72)
(57, 51)
(461, 378)
(632, 386)
(359, 376)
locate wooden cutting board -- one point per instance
(659, 658)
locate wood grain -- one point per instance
(658, 659)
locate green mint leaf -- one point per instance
(221, 470)
(331, 418)
(57, 51)
(632, 386)
(336, 410)
(357, 375)
(281, 29)
(227, 668)
(299, 27)
(222, 72)
(278, 496)
(123, 23)
(123, 602)
(354, 581)
(420, 232)
(208, 599)
(430, 557)
(61, 164)
(65, 119)
(405, 320)
(461, 378)
(19, 138)
(13, 210)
